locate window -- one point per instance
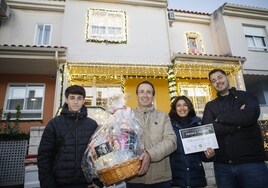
(256, 38)
(194, 43)
(106, 26)
(199, 94)
(43, 34)
(97, 99)
(99, 95)
(30, 97)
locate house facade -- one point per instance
(244, 31)
(110, 46)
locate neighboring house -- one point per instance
(30, 56)
(111, 46)
(243, 31)
(193, 44)
(218, 38)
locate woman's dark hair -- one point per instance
(145, 82)
(173, 113)
(75, 89)
(216, 70)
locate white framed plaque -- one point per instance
(197, 139)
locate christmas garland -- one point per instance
(172, 83)
(61, 90)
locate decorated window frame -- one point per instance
(199, 94)
(105, 25)
(99, 94)
(194, 43)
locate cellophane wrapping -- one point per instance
(117, 141)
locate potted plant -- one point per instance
(13, 144)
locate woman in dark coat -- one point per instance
(187, 169)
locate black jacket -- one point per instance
(187, 170)
(59, 162)
(238, 133)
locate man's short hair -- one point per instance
(145, 82)
(216, 70)
(75, 89)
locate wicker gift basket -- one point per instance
(119, 172)
(113, 152)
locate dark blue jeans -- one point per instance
(247, 175)
(166, 184)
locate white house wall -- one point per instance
(179, 40)
(238, 45)
(20, 27)
(221, 38)
(147, 38)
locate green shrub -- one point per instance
(9, 129)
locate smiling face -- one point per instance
(181, 108)
(75, 102)
(145, 95)
(220, 82)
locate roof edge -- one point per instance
(208, 57)
(244, 11)
(149, 3)
(55, 6)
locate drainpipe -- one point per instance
(57, 58)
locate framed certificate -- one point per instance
(197, 139)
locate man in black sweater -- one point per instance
(239, 161)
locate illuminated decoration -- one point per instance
(264, 128)
(240, 81)
(172, 83)
(99, 114)
(109, 26)
(90, 73)
(194, 43)
(84, 73)
(61, 90)
(200, 70)
(198, 93)
(123, 84)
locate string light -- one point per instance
(122, 84)
(264, 127)
(172, 83)
(97, 29)
(85, 72)
(61, 89)
(201, 70)
(199, 43)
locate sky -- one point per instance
(209, 6)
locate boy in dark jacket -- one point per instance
(234, 114)
(64, 142)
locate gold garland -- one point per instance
(122, 84)
(172, 83)
(61, 89)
